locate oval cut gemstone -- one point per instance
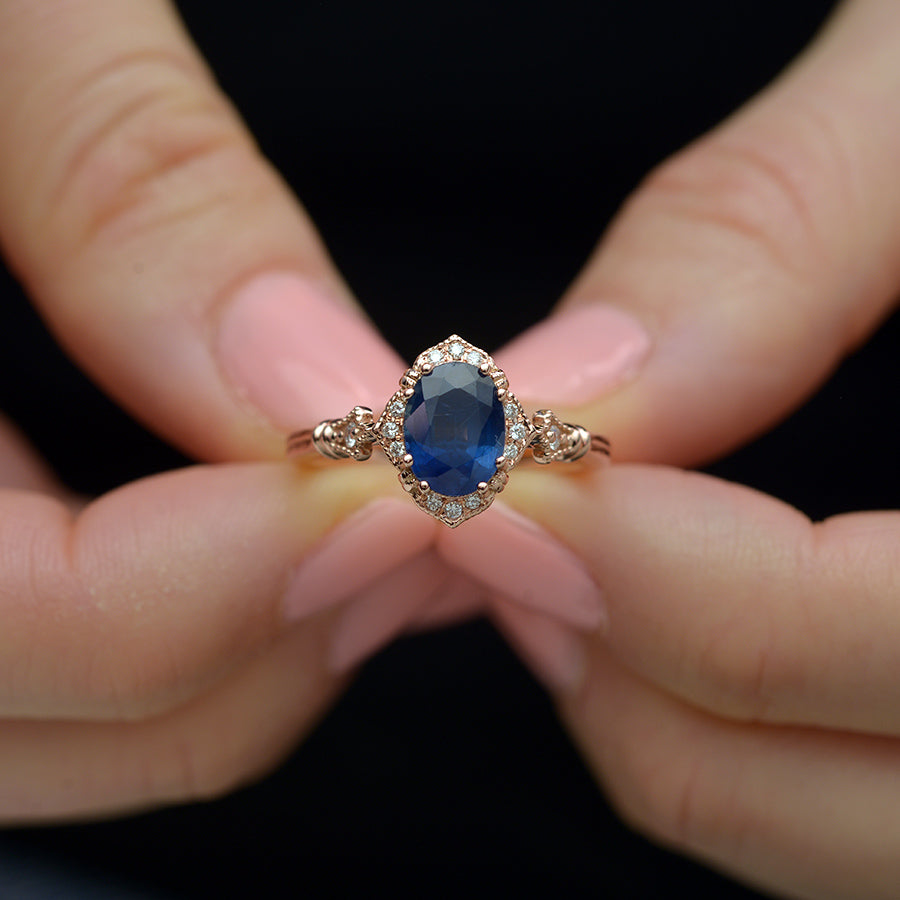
(454, 428)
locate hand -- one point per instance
(741, 703)
(147, 652)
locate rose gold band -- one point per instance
(542, 437)
(567, 443)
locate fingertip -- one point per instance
(577, 355)
(364, 547)
(515, 556)
(298, 353)
(555, 652)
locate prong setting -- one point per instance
(389, 432)
(495, 418)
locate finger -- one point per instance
(203, 749)
(159, 589)
(801, 812)
(20, 465)
(459, 599)
(744, 268)
(514, 558)
(381, 611)
(165, 253)
(550, 648)
(733, 600)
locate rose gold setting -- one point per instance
(346, 438)
(354, 436)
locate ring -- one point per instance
(453, 430)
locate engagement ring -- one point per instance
(454, 431)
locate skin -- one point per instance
(755, 729)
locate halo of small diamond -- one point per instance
(352, 436)
(388, 432)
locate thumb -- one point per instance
(745, 268)
(164, 252)
(156, 591)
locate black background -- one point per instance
(461, 159)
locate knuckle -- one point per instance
(741, 670)
(689, 799)
(147, 122)
(193, 774)
(202, 766)
(660, 796)
(749, 189)
(136, 685)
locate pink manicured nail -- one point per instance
(520, 560)
(459, 598)
(300, 355)
(357, 552)
(382, 610)
(575, 356)
(554, 652)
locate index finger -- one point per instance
(745, 268)
(165, 253)
(733, 600)
(157, 590)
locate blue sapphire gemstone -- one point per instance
(454, 428)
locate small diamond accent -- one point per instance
(349, 439)
(454, 430)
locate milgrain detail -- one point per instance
(134, 123)
(548, 439)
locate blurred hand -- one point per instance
(737, 696)
(150, 649)
(741, 702)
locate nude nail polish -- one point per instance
(555, 653)
(299, 354)
(384, 609)
(526, 564)
(576, 356)
(364, 547)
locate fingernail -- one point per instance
(459, 598)
(300, 355)
(519, 559)
(555, 653)
(382, 610)
(357, 552)
(577, 355)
